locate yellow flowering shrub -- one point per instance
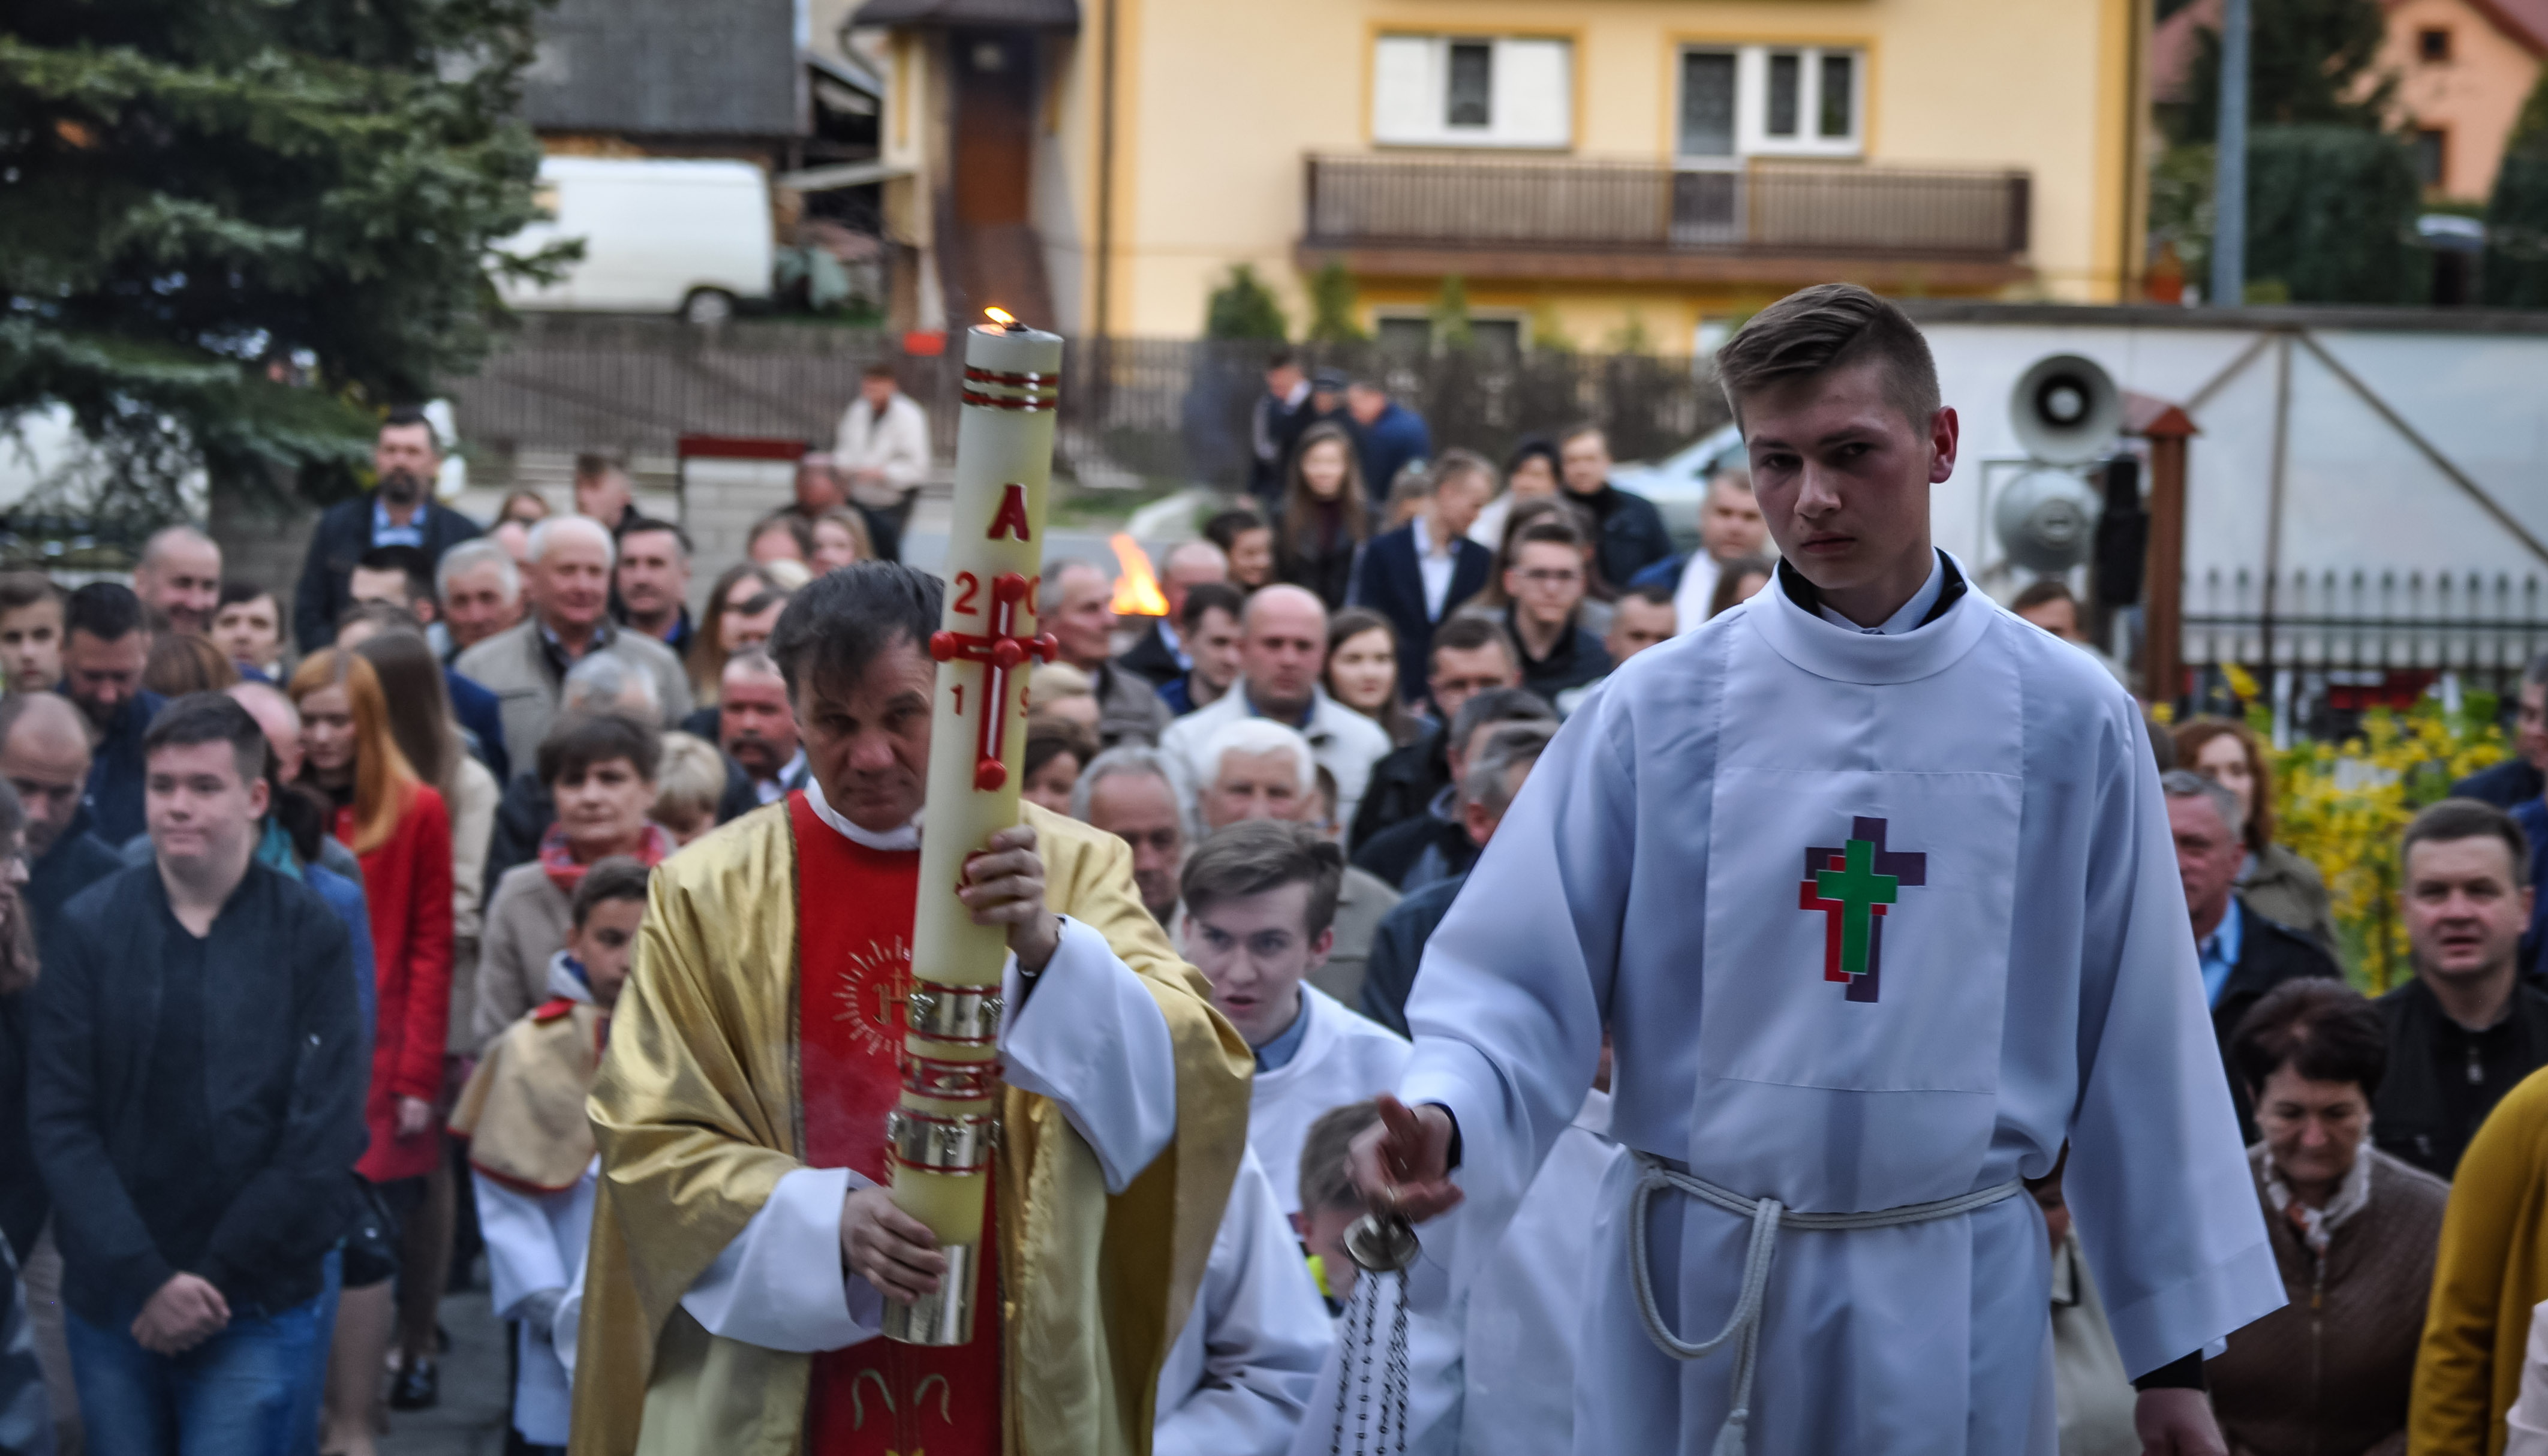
(2343, 807)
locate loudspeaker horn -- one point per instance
(2065, 410)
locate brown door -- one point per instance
(996, 84)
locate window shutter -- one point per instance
(1534, 93)
(1405, 96)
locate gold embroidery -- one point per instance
(872, 985)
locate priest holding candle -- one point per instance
(806, 1235)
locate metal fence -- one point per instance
(2348, 639)
(1156, 410)
(1574, 205)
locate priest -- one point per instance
(1873, 885)
(743, 1244)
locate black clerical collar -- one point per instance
(1806, 595)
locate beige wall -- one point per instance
(1218, 103)
(2474, 97)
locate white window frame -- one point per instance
(1520, 319)
(1751, 103)
(1503, 129)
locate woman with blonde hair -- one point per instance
(840, 538)
(1327, 515)
(400, 827)
(2274, 883)
(742, 610)
(422, 726)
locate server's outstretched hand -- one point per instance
(1003, 885)
(1404, 1165)
(2177, 1422)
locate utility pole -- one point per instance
(2229, 163)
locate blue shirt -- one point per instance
(2220, 954)
(386, 534)
(1279, 1053)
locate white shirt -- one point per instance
(1105, 1055)
(2034, 982)
(897, 445)
(1345, 742)
(1344, 1057)
(1906, 618)
(535, 1243)
(2526, 1423)
(1238, 1380)
(1435, 563)
(771, 790)
(1696, 589)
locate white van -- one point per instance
(659, 237)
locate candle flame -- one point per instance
(1137, 591)
(1001, 316)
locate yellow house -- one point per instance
(1596, 171)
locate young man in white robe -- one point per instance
(1260, 898)
(1872, 883)
(532, 1145)
(1238, 1380)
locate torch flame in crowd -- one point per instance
(1137, 591)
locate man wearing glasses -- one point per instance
(1545, 581)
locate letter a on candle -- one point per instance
(1011, 519)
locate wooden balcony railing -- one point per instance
(1769, 209)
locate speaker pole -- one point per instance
(2163, 611)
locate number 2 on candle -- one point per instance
(967, 586)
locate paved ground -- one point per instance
(470, 1420)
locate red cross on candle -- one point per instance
(999, 652)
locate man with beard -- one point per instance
(405, 457)
(756, 727)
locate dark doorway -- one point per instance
(995, 87)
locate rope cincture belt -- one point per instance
(1768, 1216)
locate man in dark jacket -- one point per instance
(196, 1100)
(2242, 954)
(105, 645)
(1470, 655)
(2466, 1029)
(44, 754)
(1545, 581)
(1274, 421)
(1443, 841)
(401, 513)
(1631, 534)
(1387, 436)
(2517, 779)
(1504, 758)
(1421, 573)
(1160, 654)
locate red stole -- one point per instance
(854, 909)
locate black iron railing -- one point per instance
(1568, 205)
(2351, 638)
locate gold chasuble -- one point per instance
(698, 1111)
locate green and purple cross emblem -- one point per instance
(1851, 886)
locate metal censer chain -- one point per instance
(1380, 1245)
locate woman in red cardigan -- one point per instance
(399, 828)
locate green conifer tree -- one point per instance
(234, 229)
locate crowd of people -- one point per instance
(317, 914)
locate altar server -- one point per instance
(1873, 885)
(1237, 1379)
(1260, 899)
(532, 1145)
